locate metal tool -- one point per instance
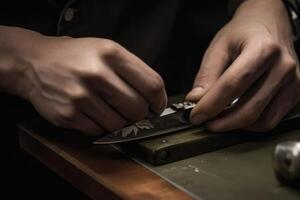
(287, 163)
(173, 118)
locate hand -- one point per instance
(91, 85)
(252, 58)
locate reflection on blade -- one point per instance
(169, 121)
(167, 111)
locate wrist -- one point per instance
(276, 19)
(256, 9)
(18, 50)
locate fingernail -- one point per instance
(198, 118)
(195, 94)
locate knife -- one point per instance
(172, 119)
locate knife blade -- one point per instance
(172, 119)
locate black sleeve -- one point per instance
(40, 16)
(293, 7)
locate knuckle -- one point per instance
(156, 85)
(66, 115)
(110, 49)
(78, 95)
(289, 64)
(93, 71)
(270, 48)
(234, 85)
(287, 68)
(97, 75)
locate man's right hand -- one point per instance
(89, 84)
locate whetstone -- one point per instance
(180, 145)
(184, 144)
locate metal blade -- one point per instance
(169, 121)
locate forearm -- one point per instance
(234, 5)
(17, 49)
(275, 18)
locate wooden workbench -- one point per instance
(101, 172)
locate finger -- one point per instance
(284, 101)
(98, 110)
(115, 92)
(252, 104)
(140, 77)
(242, 73)
(215, 61)
(83, 124)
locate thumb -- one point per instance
(215, 61)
